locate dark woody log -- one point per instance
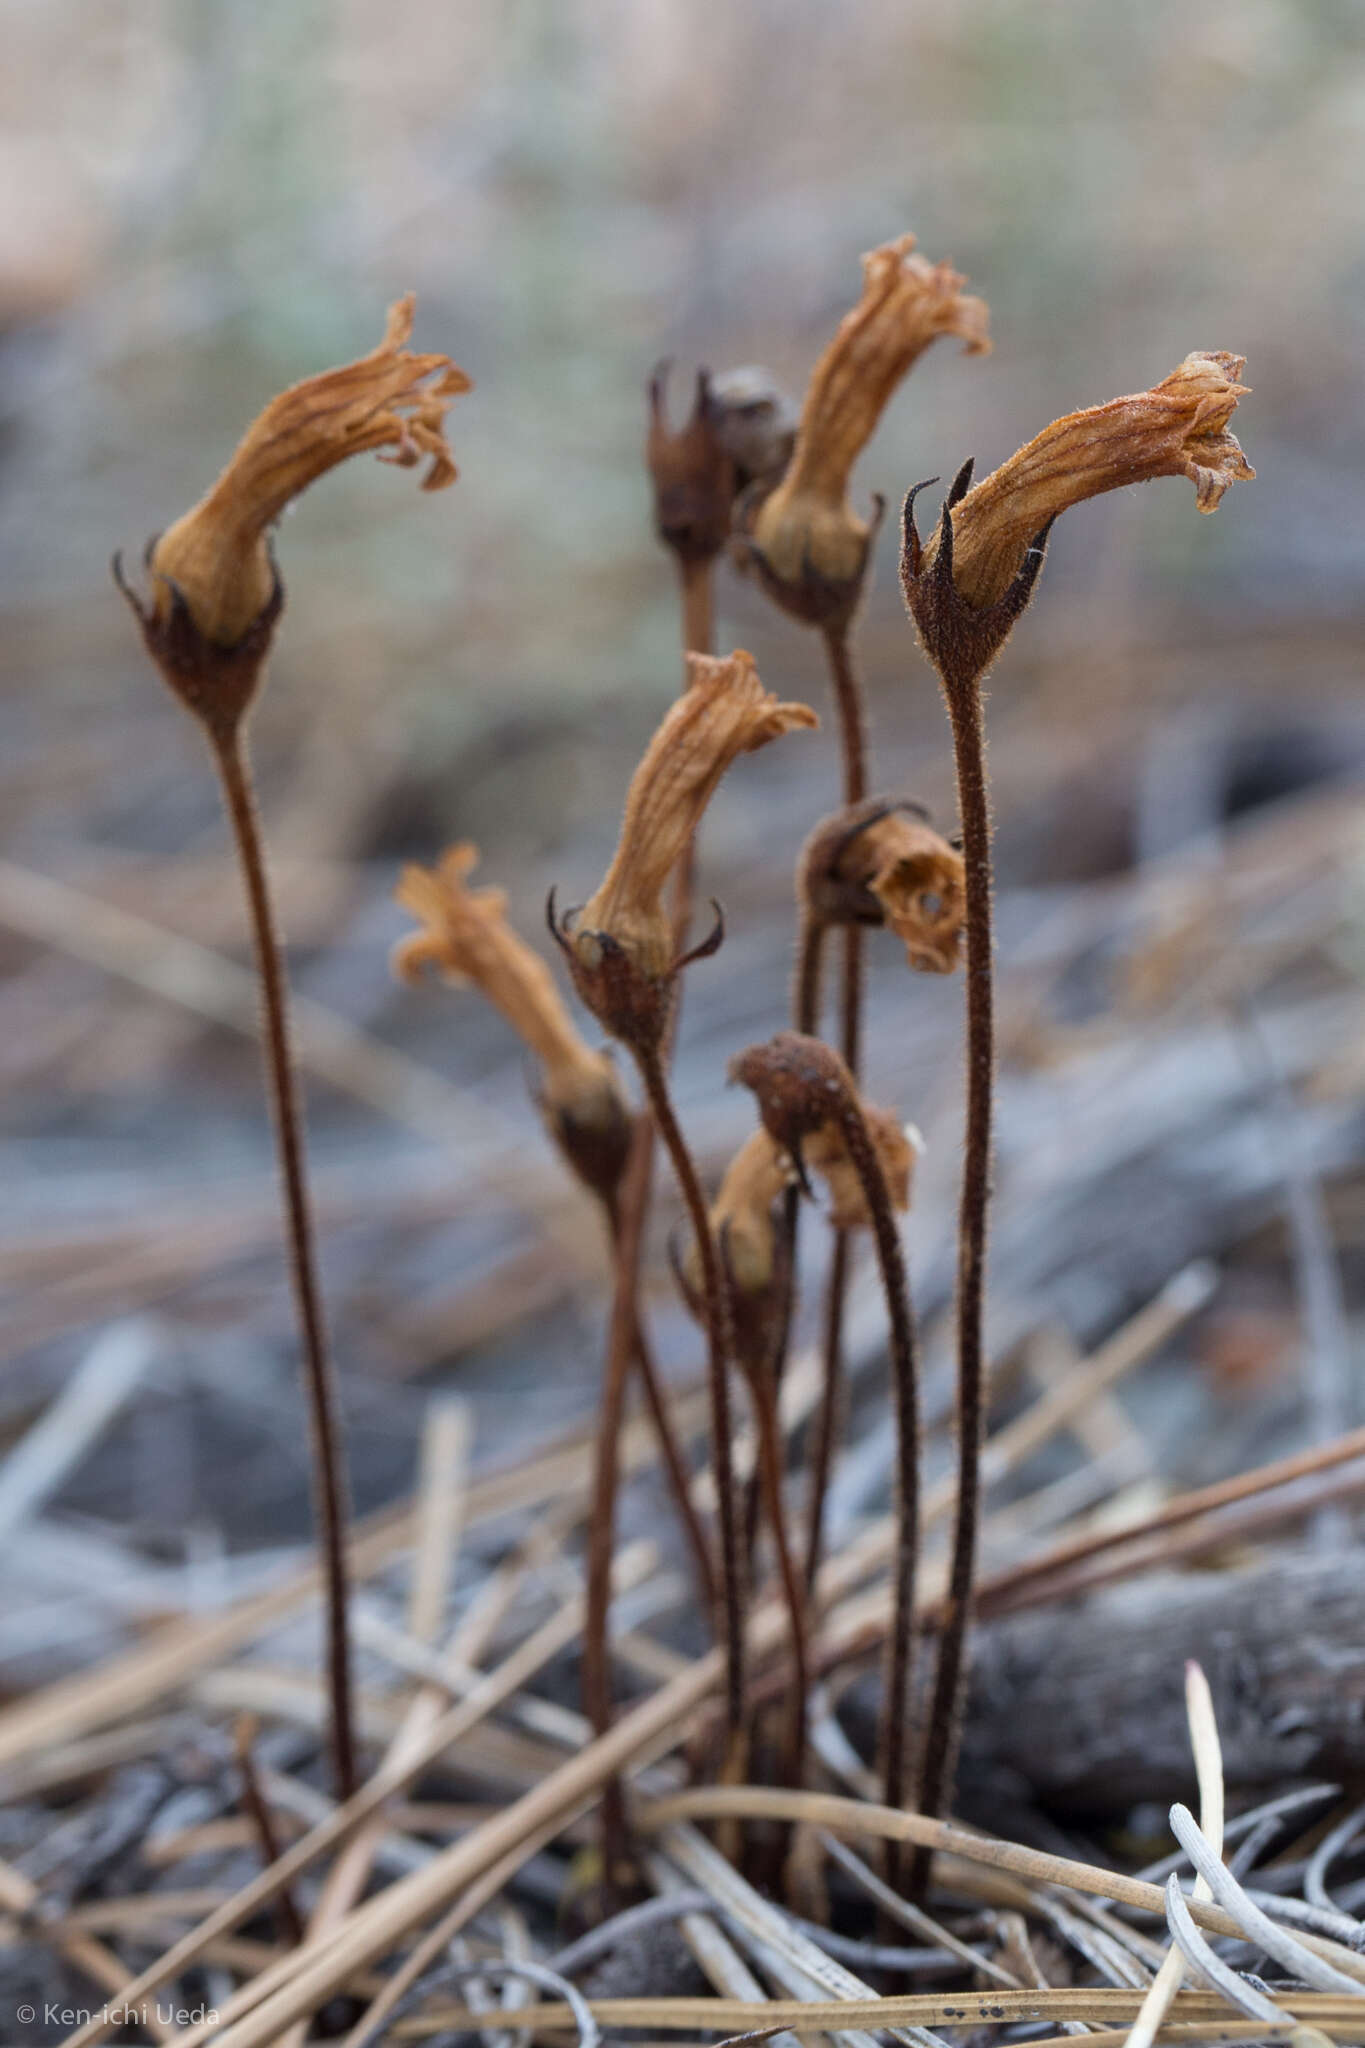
(1081, 1709)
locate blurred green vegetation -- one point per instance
(230, 195)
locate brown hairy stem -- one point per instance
(848, 697)
(763, 1388)
(698, 583)
(720, 1346)
(675, 1465)
(945, 1713)
(287, 1915)
(330, 1491)
(904, 1380)
(627, 1220)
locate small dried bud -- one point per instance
(693, 472)
(1178, 428)
(897, 1146)
(881, 863)
(757, 423)
(465, 935)
(620, 945)
(213, 577)
(809, 545)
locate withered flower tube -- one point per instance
(807, 524)
(217, 556)
(1178, 428)
(624, 934)
(742, 1214)
(465, 936)
(880, 862)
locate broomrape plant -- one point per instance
(743, 475)
(215, 601)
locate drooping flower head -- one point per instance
(217, 556)
(809, 544)
(970, 580)
(620, 944)
(881, 863)
(464, 934)
(811, 1108)
(215, 595)
(1178, 428)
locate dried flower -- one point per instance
(811, 1108)
(1178, 428)
(692, 470)
(756, 421)
(754, 1255)
(465, 935)
(881, 863)
(620, 945)
(217, 556)
(742, 1219)
(808, 543)
(897, 1145)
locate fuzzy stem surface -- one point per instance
(330, 1490)
(945, 1713)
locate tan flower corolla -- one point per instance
(879, 863)
(465, 935)
(807, 524)
(1178, 428)
(896, 1146)
(724, 712)
(742, 1214)
(217, 556)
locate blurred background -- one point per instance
(200, 204)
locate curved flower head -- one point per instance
(622, 939)
(464, 934)
(1178, 428)
(810, 546)
(811, 1108)
(217, 557)
(881, 863)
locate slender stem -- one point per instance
(656, 1400)
(287, 1915)
(331, 1509)
(627, 1221)
(848, 698)
(720, 1346)
(901, 1641)
(810, 960)
(945, 1713)
(764, 1390)
(698, 580)
(829, 1416)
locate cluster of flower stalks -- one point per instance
(753, 480)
